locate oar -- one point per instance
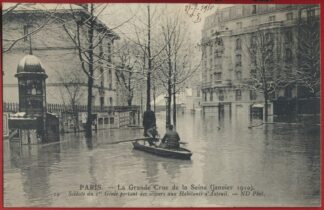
(129, 140)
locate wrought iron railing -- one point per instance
(14, 107)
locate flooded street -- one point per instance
(280, 160)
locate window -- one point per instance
(238, 95)
(239, 25)
(288, 92)
(110, 101)
(100, 121)
(109, 51)
(211, 96)
(272, 18)
(106, 120)
(254, 9)
(238, 44)
(221, 95)
(253, 72)
(100, 49)
(269, 37)
(288, 36)
(253, 41)
(205, 96)
(111, 120)
(253, 95)
(310, 14)
(271, 6)
(289, 16)
(288, 55)
(219, 41)
(25, 32)
(33, 87)
(218, 76)
(110, 86)
(238, 60)
(218, 53)
(102, 102)
(239, 11)
(238, 75)
(109, 48)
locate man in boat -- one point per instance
(153, 134)
(148, 120)
(171, 139)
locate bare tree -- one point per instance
(71, 84)
(88, 34)
(308, 53)
(177, 68)
(266, 73)
(148, 43)
(128, 73)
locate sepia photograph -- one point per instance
(161, 105)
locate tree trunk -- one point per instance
(174, 108)
(90, 77)
(148, 88)
(154, 97)
(266, 106)
(130, 91)
(89, 108)
(174, 92)
(168, 117)
(129, 101)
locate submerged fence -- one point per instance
(14, 107)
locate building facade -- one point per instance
(227, 39)
(40, 29)
(52, 45)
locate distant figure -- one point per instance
(171, 139)
(148, 120)
(153, 134)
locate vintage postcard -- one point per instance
(161, 105)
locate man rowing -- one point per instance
(171, 139)
(153, 134)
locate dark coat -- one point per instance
(171, 139)
(149, 119)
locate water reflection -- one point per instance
(280, 159)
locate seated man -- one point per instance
(153, 134)
(171, 139)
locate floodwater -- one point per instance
(267, 165)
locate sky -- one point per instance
(116, 14)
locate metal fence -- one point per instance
(14, 107)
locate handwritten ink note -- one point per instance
(195, 11)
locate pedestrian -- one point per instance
(171, 139)
(148, 120)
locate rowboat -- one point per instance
(180, 153)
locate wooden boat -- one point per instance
(180, 153)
